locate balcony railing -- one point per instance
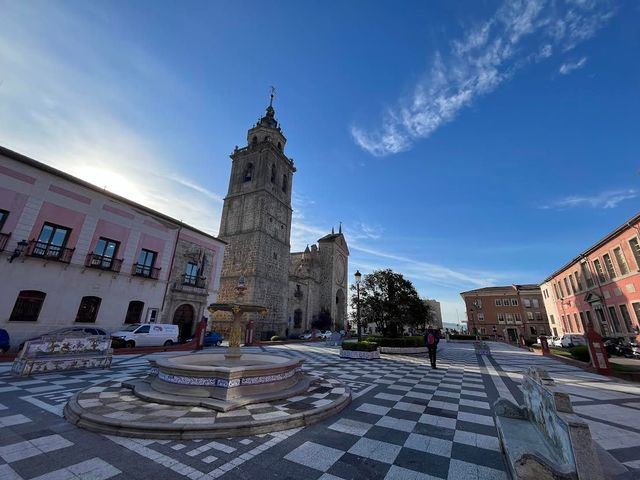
(4, 238)
(194, 281)
(49, 251)
(103, 263)
(145, 271)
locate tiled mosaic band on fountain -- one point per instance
(223, 382)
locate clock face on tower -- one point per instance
(340, 270)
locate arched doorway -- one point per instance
(340, 310)
(183, 317)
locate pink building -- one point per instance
(75, 254)
(600, 287)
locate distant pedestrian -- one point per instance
(431, 340)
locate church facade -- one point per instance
(256, 224)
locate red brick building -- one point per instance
(508, 311)
(599, 287)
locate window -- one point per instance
(51, 242)
(567, 286)
(626, 318)
(555, 288)
(530, 316)
(88, 310)
(527, 303)
(609, 265)
(501, 318)
(134, 312)
(498, 302)
(589, 319)
(564, 324)
(477, 303)
(575, 319)
(27, 306)
(621, 261)
(587, 274)
(517, 317)
(614, 319)
(144, 329)
(3, 218)
(536, 303)
(578, 281)
(533, 330)
(147, 259)
(635, 249)
(285, 182)
(573, 283)
(538, 316)
(636, 310)
(248, 173)
(555, 332)
(561, 291)
(481, 317)
(104, 253)
(599, 270)
(582, 322)
(273, 173)
(191, 273)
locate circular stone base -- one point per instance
(111, 408)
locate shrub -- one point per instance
(406, 342)
(581, 352)
(460, 336)
(536, 346)
(277, 338)
(360, 346)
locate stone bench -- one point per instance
(481, 348)
(544, 439)
(63, 352)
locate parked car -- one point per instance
(146, 335)
(4, 341)
(75, 331)
(306, 335)
(572, 339)
(213, 338)
(555, 342)
(324, 334)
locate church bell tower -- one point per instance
(256, 223)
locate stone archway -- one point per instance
(184, 317)
(340, 310)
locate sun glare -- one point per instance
(112, 182)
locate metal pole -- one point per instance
(358, 311)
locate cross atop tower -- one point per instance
(272, 92)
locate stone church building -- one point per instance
(256, 224)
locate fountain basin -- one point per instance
(212, 380)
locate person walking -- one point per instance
(431, 341)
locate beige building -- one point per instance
(256, 224)
(436, 312)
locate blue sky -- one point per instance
(463, 143)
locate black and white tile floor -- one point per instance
(406, 421)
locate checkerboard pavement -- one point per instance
(406, 421)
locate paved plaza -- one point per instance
(406, 422)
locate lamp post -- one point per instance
(358, 277)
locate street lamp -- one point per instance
(358, 277)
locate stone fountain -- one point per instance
(208, 395)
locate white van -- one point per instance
(147, 335)
(572, 340)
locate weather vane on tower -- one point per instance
(272, 91)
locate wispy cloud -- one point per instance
(568, 67)
(65, 103)
(607, 199)
(519, 33)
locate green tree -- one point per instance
(390, 301)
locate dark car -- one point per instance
(4, 340)
(210, 339)
(78, 331)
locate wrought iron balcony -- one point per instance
(145, 271)
(194, 281)
(4, 238)
(103, 263)
(49, 251)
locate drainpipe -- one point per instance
(173, 256)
